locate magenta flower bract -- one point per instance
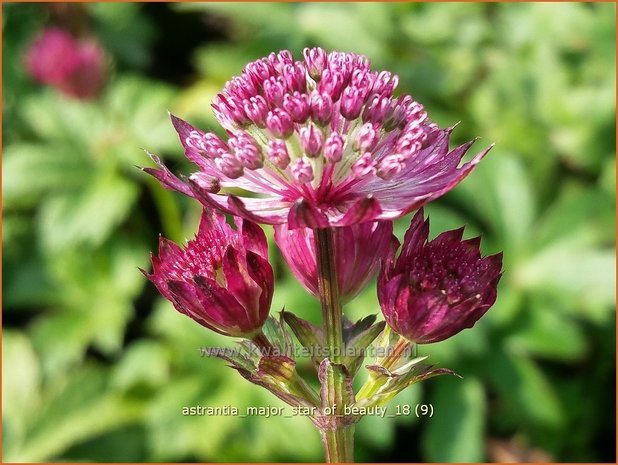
(358, 251)
(221, 279)
(77, 69)
(318, 143)
(437, 288)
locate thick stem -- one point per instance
(339, 440)
(339, 444)
(329, 293)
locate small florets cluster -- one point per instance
(318, 142)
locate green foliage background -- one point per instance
(97, 367)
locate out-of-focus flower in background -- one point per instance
(77, 68)
(437, 288)
(221, 279)
(358, 252)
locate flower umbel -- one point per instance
(437, 288)
(75, 68)
(221, 279)
(318, 143)
(358, 250)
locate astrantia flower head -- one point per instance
(358, 251)
(317, 143)
(221, 279)
(437, 288)
(76, 68)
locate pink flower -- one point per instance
(221, 279)
(77, 69)
(338, 147)
(358, 251)
(435, 289)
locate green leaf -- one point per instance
(547, 333)
(88, 216)
(32, 170)
(79, 410)
(572, 270)
(500, 190)
(456, 433)
(144, 363)
(21, 385)
(526, 390)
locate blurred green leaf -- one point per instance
(456, 430)
(78, 410)
(526, 390)
(547, 333)
(89, 216)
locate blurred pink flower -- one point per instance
(221, 279)
(358, 251)
(77, 69)
(317, 143)
(437, 288)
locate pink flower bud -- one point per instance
(274, 90)
(298, 107)
(279, 60)
(391, 165)
(229, 165)
(384, 84)
(302, 170)
(361, 79)
(247, 150)
(332, 83)
(366, 139)
(258, 71)
(230, 111)
(437, 288)
(221, 279)
(352, 101)
(294, 77)
(364, 166)
(278, 153)
(205, 144)
(377, 109)
(315, 61)
(279, 123)
(240, 88)
(311, 140)
(256, 109)
(321, 108)
(333, 148)
(397, 113)
(411, 138)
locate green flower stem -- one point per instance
(329, 293)
(339, 440)
(339, 444)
